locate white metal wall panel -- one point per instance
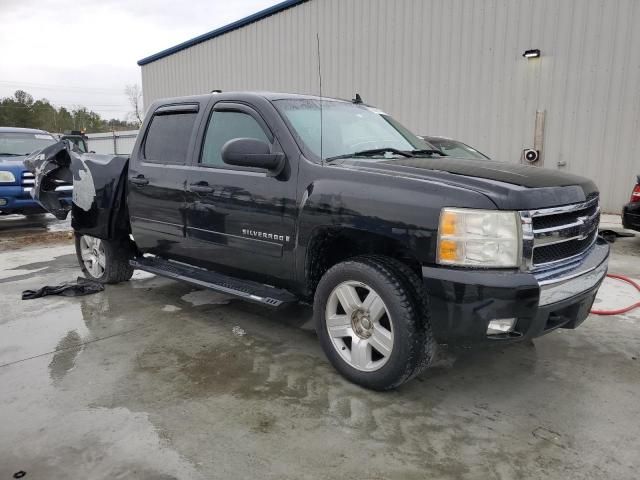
(453, 68)
(113, 143)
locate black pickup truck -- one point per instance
(278, 198)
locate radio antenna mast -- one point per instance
(320, 86)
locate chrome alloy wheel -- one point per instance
(359, 326)
(93, 255)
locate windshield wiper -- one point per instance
(429, 152)
(3, 154)
(370, 153)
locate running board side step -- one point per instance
(245, 289)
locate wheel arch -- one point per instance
(331, 245)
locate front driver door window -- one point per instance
(225, 126)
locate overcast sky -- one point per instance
(85, 52)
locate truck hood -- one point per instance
(509, 186)
(11, 161)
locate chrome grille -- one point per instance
(560, 219)
(28, 179)
(554, 235)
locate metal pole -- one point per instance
(538, 137)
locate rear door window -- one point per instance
(168, 138)
(224, 126)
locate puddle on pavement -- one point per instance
(268, 387)
(43, 325)
(206, 297)
(64, 359)
(258, 371)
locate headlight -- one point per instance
(478, 238)
(7, 177)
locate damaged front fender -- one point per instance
(98, 205)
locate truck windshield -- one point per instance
(19, 144)
(347, 128)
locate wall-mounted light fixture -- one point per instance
(534, 53)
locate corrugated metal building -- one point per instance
(447, 67)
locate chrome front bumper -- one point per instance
(578, 277)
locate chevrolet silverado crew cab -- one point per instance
(278, 198)
(16, 181)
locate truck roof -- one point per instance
(247, 95)
(21, 130)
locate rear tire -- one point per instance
(373, 322)
(104, 261)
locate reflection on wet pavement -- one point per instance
(64, 357)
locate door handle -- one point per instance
(139, 180)
(201, 187)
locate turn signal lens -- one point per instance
(448, 223)
(482, 238)
(448, 250)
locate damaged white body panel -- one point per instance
(84, 189)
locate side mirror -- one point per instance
(249, 152)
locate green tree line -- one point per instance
(21, 110)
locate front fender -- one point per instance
(99, 188)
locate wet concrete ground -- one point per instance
(17, 231)
(153, 379)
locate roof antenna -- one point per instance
(320, 86)
(358, 99)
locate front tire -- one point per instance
(104, 261)
(373, 322)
